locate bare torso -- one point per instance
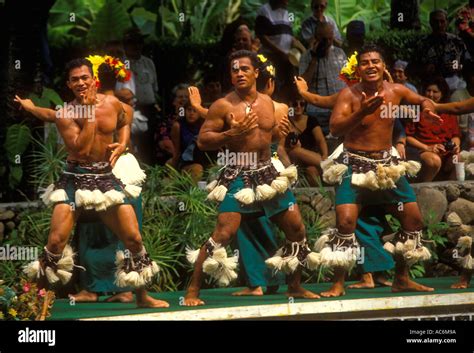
(107, 113)
(374, 132)
(259, 139)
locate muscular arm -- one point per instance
(211, 137)
(462, 107)
(343, 119)
(44, 114)
(411, 97)
(312, 98)
(78, 140)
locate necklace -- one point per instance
(248, 106)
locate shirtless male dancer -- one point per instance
(244, 121)
(88, 185)
(373, 176)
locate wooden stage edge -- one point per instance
(346, 309)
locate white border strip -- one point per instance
(301, 308)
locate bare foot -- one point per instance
(249, 291)
(366, 281)
(149, 302)
(300, 292)
(124, 297)
(84, 296)
(408, 285)
(271, 290)
(460, 285)
(336, 290)
(192, 300)
(381, 280)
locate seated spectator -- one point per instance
(164, 145)
(434, 145)
(305, 144)
(463, 94)
(400, 76)
(310, 25)
(443, 53)
(187, 156)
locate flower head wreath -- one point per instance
(348, 73)
(118, 67)
(270, 68)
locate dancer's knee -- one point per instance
(223, 235)
(133, 242)
(346, 224)
(297, 231)
(56, 242)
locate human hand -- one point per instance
(117, 149)
(369, 106)
(238, 128)
(401, 150)
(432, 117)
(26, 104)
(301, 84)
(283, 127)
(436, 148)
(89, 97)
(194, 97)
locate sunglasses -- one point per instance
(322, 6)
(299, 104)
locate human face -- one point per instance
(399, 76)
(243, 40)
(180, 98)
(214, 89)
(318, 8)
(298, 107)
(79, 81)
(371, 67)
(439, 23)
(242, 73)
(191, 115)
(434, 93)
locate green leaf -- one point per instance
(110, 23)
(17, 140)
(145, 20)
(14, 178)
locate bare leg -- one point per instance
(84, 296)
(249, 291)
(366, 281)
(369, 280)
(346, 216)
(431, 164)
(411, 220)
(337, 289)
(122, 221)
(195, 170)
(124, 297)
(464, 281)
(227, 225)
(291, 223)
(62, 222)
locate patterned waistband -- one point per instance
(85, 168)
(378, 155)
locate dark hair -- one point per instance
(244, 54)
(107, 77)
(437, 11)
(442, 85)
(368, 48)
(264, 73)
(75, 63)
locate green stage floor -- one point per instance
(221, 305)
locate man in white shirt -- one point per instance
(309, 26)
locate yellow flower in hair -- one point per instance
(262, 58)
(96, 61)
(348, 73)
(271, 70)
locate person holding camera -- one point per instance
(435, 145)
(320, 67)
